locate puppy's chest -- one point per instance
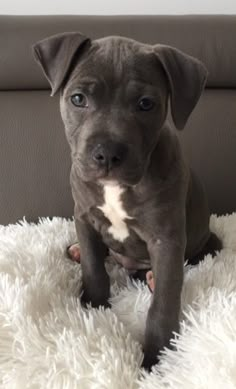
(116, 225)
(115, 213)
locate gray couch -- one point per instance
(34, 155)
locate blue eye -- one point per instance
(79, 100)
(146, 104)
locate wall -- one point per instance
(117, 7)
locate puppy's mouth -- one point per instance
(105, 175)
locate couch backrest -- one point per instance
(34, 155)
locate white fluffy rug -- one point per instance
(48, 341)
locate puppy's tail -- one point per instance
(212, 245)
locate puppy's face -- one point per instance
(114, 94)
(113, 107)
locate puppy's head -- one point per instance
(114, 95)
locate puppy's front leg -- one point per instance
(167, 258)
(96, 284)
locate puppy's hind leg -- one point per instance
(144, 276)
(73, 252)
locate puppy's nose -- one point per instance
(109, 154)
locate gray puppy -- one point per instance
(134, 194)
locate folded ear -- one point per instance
(186, 77)
(55, 55)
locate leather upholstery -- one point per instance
(34, 155)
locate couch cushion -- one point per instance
(34, 158)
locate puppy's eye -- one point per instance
(146, 104)
(79, 100)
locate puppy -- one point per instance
(134, 195)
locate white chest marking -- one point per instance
(114, 211)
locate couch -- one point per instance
(34, 155)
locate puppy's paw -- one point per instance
(150, 280)
(96, 292)
(85, 300)
(73, 252)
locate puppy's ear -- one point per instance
(186, 78)
(55, 55)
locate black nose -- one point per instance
(109, 154)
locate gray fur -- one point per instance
(168, 211)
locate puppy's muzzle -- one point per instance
(109, 155)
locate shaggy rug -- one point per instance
(47, 340)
